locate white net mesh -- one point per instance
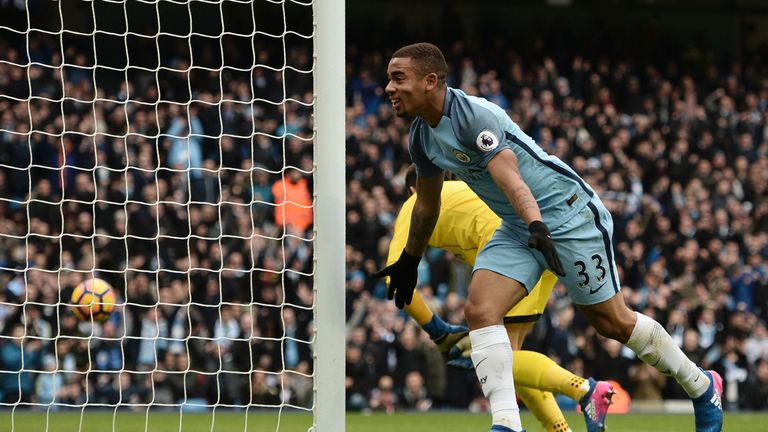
(166, 148)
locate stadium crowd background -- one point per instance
(673, 135)
(678, 151)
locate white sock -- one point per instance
(492, 357)
(655, 346)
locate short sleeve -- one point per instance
(479, 131)
(424, 166)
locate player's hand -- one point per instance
(460, 355)
(541, 239)
(402, 278)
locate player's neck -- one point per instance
(433, 112)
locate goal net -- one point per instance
(166, 147)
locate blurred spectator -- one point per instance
(50, 384)
(414, 395)
(648, 383)
(756, 345)
(294, 200)
(358, 378)
(383, 397)
(262, 392)
(754, 393)
(16, 353)
(299, 386)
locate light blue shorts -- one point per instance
(584, 245)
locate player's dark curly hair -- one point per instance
(427, 58)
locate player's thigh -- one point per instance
(532, 306)
(517, 332)
(508, 254)
(586, 251)
(490, 296)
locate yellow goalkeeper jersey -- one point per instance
(465, 224)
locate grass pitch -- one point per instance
(102, 421)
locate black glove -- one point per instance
(402, 278)
(541, 239)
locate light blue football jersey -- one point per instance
(470, 133)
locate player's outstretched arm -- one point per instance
(426, 211)
(506, 174)
(403, 273)
(443, 334)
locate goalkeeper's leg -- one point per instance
(532, 369)
(544, 407)
(535, 370)
(418, 309)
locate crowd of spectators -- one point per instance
(679, 155)
(169, 186)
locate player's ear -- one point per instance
(430, 81)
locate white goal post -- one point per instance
(329, 175)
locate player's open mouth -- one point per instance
(395, 103)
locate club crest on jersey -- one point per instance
(462, 157)
(487, 141)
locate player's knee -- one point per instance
(479, 314)
(612, 319)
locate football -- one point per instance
(93, 298)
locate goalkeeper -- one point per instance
(465, 225)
